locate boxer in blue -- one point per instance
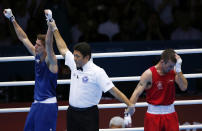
(43, 112)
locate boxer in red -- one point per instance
(159, 83)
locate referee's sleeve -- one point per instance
(103, 81)
(69, 60)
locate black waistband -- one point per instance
(81, 109)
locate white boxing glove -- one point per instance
(48, 14)
(127, 120)
(178, 65)
(8, 14)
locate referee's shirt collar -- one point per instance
(87, 65)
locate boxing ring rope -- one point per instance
(67, 81)
(182, 127)
(120, 105)
(115, 79)
(104, 106)
(104, 55)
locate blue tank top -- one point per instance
(45, 81)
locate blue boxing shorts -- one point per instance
(42, 117)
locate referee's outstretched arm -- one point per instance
(121, 97)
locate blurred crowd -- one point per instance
(107, 20)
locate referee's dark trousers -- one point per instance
(83, 119)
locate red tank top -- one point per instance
(162, 91)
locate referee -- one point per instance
(88, 81)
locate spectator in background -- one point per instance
(154, 28)
(91, 34)
(111, 26)
(35, 6)
(139, 19)
(184, 30)
(126, 33)
(76, 33)
(116, 122)
(164, 8)
(22, 16)
(5, 39)
(35, 25)
(60, 10)
(196, 14)
(133, 21)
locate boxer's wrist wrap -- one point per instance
(178, 65)
(12, 18)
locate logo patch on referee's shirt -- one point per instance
(85, 79)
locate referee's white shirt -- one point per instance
(86, 86)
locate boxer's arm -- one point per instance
(19, 31)
(144, 83)
(181, 81)
(51, 58)
(179, 77)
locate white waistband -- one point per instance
(49, 100)
(161, 109)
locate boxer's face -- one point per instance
(167, 67)
(39, 47)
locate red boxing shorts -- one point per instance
(161, 122)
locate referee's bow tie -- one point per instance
(80, 68)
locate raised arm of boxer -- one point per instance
(179, 78)
(19, 31)
(51, 58)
